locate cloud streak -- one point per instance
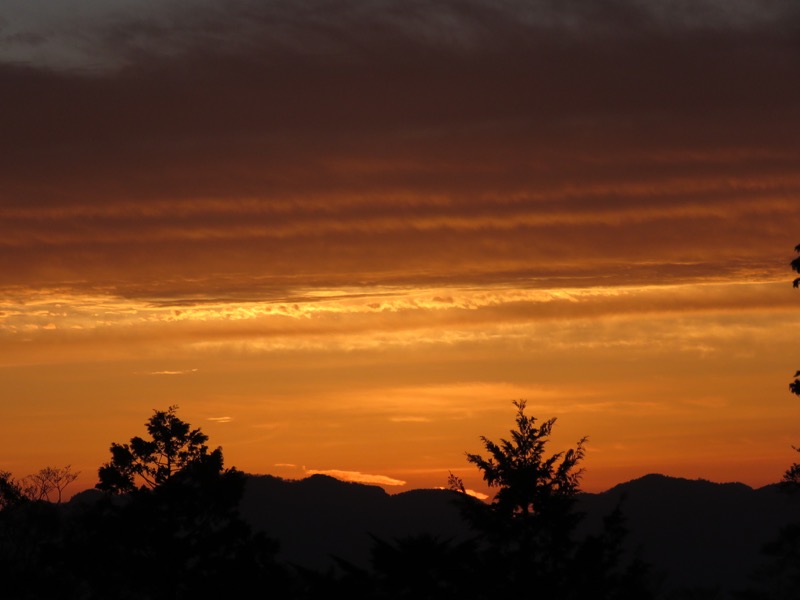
(357, 477)
(180, 372)
(346, 143)
(338, 204)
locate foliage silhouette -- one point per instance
(182, 525)
(173, 447)
(177, 536)
(529, 483)
(11, 493)
(38, 486)
(527, 532)
(49, 480)
(531, 513)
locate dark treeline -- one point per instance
(167, 525)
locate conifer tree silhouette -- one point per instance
(527, 533)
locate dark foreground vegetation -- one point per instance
(168, 525)
(166, 522)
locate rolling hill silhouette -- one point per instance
(696, 534)
(320, 517)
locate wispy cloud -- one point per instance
(473, 493)
(410, 419)
(439, 205)
(357, 477)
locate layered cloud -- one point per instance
(331, 221)
(339, 144)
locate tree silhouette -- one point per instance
(529, 483)
(172, 448)
(10, 491)
(527, 531)
(40, 485)
(31, 532)
(535, 492)
(181, 526)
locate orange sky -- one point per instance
(344, 237)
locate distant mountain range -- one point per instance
(320, 517)
(695, 533)
(698, 534)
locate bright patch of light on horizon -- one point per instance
(357, 477)
(469, 492)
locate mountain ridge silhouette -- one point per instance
(696, 534)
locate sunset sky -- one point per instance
(343, 236)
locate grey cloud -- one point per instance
(121, 32)
(357, 141)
